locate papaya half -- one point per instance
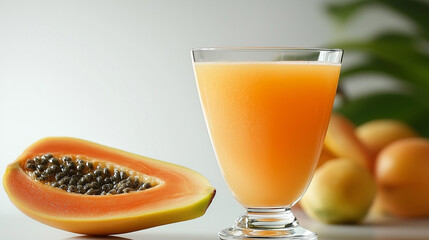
(87, 188)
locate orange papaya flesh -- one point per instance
(181, 193)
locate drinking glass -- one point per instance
(267, 111)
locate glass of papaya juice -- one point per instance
(267, 111)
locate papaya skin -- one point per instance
(342, 141)
(182, 194)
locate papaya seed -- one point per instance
(43, 161)
(72, 189)
(89, 165)
(90, 176)
(54, 161)
(31, 165)
(107, 180)
(67, 159)
(98, 172)
(80, 166)
(47, 156)
(41, 167)
(73, 181)
(76, 175)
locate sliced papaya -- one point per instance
(47, 182)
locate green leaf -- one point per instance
(345, 11)
(388, 105)
(394, 54)
(414, 10)
(412, 82)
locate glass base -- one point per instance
(267, 223)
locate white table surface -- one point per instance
(19, 226)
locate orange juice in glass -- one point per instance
(267, 111)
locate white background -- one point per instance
(119, 73)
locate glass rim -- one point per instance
(267, 49)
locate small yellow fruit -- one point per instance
(342, 141)
(341, 192)
(377, 134)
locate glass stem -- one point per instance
(266, 218)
